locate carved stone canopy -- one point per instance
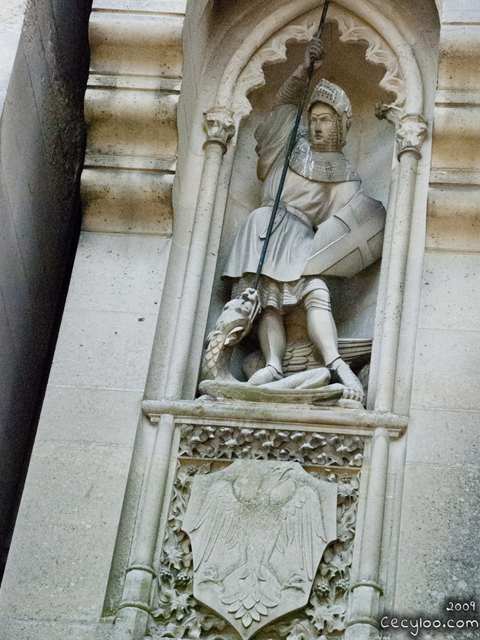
(258, 531)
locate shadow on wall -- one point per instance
(42, 144)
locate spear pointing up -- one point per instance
(291, 143)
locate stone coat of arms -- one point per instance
(258, 531)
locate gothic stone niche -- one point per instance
(330, 464)
(328, 232)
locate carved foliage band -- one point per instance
(230, 443)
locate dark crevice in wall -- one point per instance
(42, 147)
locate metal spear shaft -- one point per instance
(291, 143)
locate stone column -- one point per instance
(220, 128)
(132, 618)
(411, 133)
(365, 593)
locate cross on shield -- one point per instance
(350, 241)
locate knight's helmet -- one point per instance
(331, 94)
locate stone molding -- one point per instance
(131, 114)
(267, 416)
(351, 28)
(361, 8)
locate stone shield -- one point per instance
(258, 531)
(350, 241)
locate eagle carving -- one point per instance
(258, 531)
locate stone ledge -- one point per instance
(139, 163)
(137, 83)
(136, 44)
(260, 414)
(452, 177)
(144, 6)
(452, 98)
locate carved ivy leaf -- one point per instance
(329, 617)
(172, 554)
(171, 602)
(298, 629)
(356, 461)
(193, 624)
(346, 491)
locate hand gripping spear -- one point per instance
(291, 144)
(230, 324)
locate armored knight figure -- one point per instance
(321, 202)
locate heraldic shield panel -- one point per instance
(258, 531)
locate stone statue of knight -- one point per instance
(325, 224)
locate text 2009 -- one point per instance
(461, 606)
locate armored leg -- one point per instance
(271, 333)
(320, 324)
(323, 334)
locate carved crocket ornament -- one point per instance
(258, 531)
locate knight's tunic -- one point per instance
(317, 186)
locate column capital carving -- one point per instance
(412, 128)
(219, 125)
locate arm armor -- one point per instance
(290, 92)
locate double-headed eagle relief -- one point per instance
(258, 533)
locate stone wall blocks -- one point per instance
(438, 557)
(456, 138)
(451, 291)
(127, 201)
(85, 415)
(136, 44)
(81, 488)
(443, 357)
(458, 58)
(453, 218)
(11, 627)
(447, 438)
(131, 122)
(160, 6)
(118, 272)
(144, 106)
(101, 349)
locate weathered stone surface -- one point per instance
(443, 356)
(41, 630)
(102, 349)
(119, 273)
(443, 437)
(60, 559)
(454, 202)
(436, 556)
(127, 201)
(451, 290)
